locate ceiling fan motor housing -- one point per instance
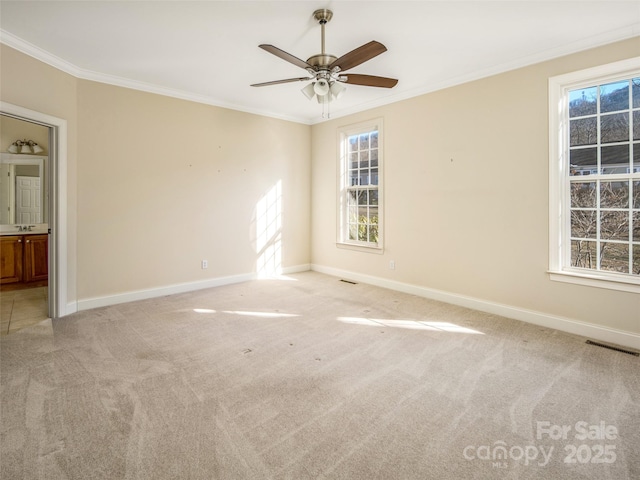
(321, 60)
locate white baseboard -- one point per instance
(89, 303)
(71, 308)
(596, 332)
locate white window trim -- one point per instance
(343, 134)
(559, 254)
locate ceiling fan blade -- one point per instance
(285, 56)
(370, 80)
(276, 82)
(359, 55)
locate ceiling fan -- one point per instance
(326, 70)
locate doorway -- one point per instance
(46, 295)
(24, 285)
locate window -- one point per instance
(360, 186)
(595, 176)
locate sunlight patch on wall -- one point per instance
(269, 233)
(410, 324)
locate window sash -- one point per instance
(360, 186)
(561, 181)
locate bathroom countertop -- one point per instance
(6, 230)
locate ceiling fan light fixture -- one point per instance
(309, 91)
(324, 98)
(337, 89)
(321, 87)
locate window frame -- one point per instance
(560, 268)
(342, 237)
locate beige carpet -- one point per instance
(311, 377)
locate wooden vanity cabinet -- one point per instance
(36, 257)
(11, 259)
(24, 258)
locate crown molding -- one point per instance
(58, 63)
(592, 42)
(44, 56)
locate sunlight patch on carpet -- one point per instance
(410, 324)
(262, 314)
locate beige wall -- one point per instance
(12, 129)
(165, 183)
(466, 187)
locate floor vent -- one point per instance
(348, 281)
(617, 349)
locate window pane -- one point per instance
(636, 227)
(583, 161)
(374, 157)
(583, 131)
(614, 96)
(614, 127)
(362, 198)
(373, 214)
(353, 215)
(374, 176)
(353, 160)
(351, 198)
(373, 233)
(374, 139)
(583, 194)
(614, 159)
(583, 254)
(636, 157)
(614, 194)
(364, 159)
(636, 92)
(636, 260)
(353, 144)
(583, 102)
(353, 231)
(363, 232)
(614, 226)
(636, 194)
(636, 125)
(364, 141)
(614, 257)
(583, 224)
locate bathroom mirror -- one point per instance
(23, 190)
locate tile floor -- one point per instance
(22, 308)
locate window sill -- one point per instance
(360, 248)
(610, 282)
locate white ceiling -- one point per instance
(208, 51)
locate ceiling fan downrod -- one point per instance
(322, 16)
(322, 60)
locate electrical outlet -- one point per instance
(205, 264)
(392, 265)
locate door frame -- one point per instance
(59, 304)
